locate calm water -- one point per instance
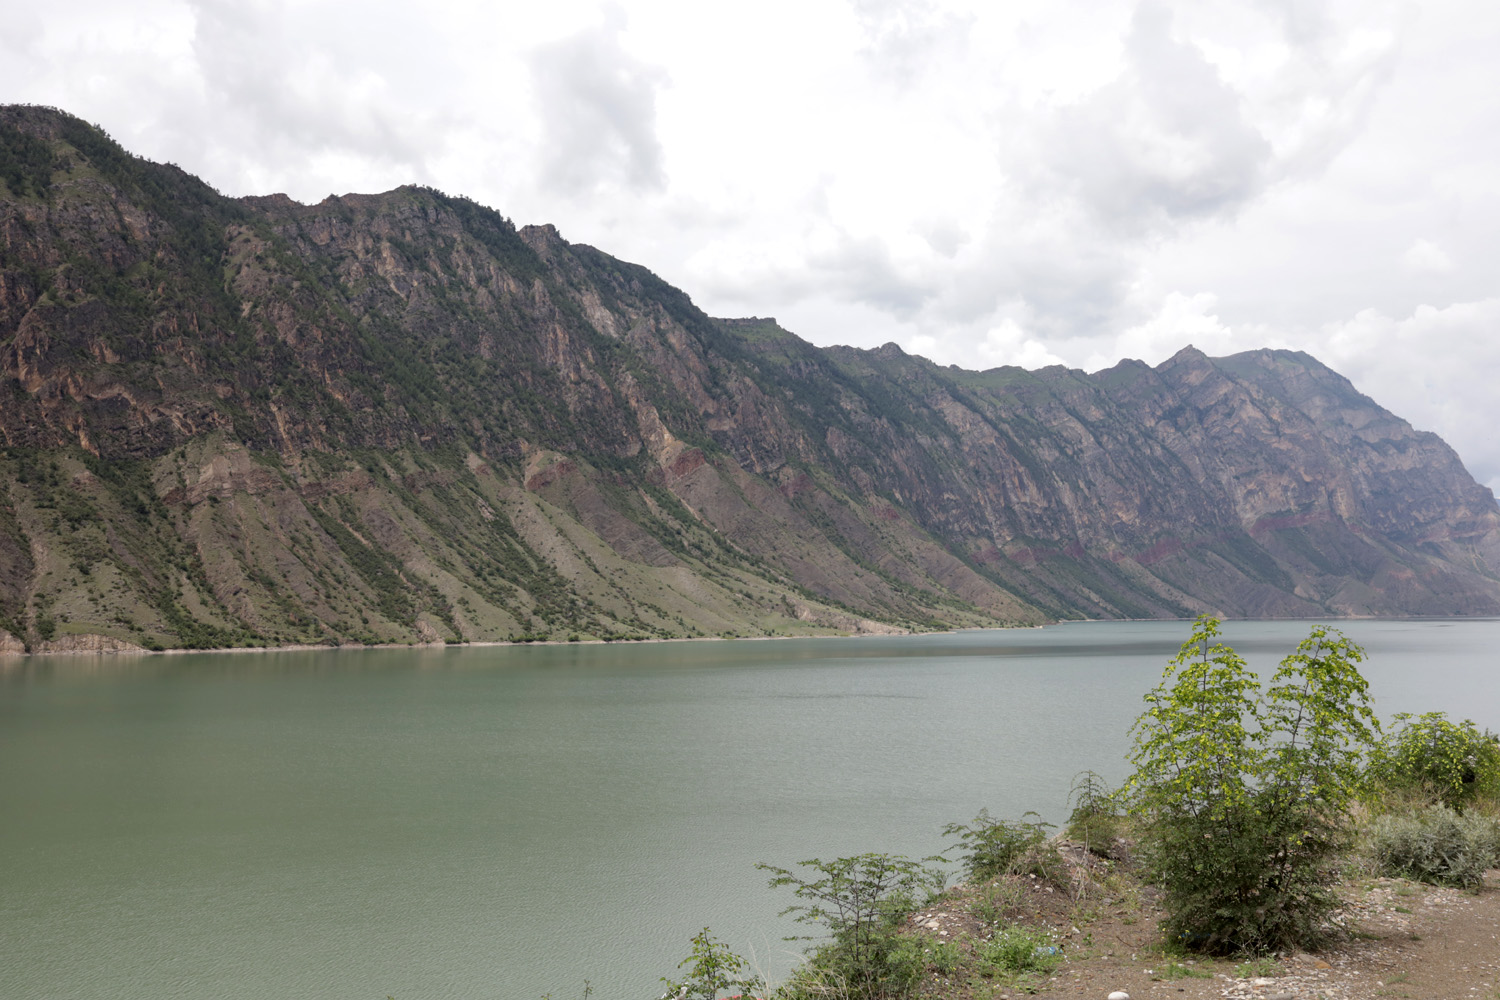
(506, 822)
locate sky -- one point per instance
(1030, 183)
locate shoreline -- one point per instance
(16, 657)
(10, 657)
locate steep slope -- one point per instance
(398, 417)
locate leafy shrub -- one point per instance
(1045, 863)
(1436, 845)
(945, 957)
(1242, 795)
(1095, 820)
(1020, 949)
(995, 847)
(891, 969)
(713, 968)
(861, 901)
(1455, 762)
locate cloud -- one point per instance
(267, 95)
(1166, 142)
(1426, 257)
(598, 110)
(904, 39)
(828, 262)
(1326, 83)
(1181, 320)
(1008, 344)
(863, 269)
(1046, 202)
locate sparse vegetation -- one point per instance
(1019, 949)
(1242, 802)
(1436, 845)
(1263, 966)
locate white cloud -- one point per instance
(597, 105)
(1181, 320)
(1009, 344)
(1166, 141)
(1424, 255)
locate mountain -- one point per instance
(398, 417)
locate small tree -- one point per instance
(1095, 816)
(1243, 795)
(861, 900)
(712, 969)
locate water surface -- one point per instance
(510, 821)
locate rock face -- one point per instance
(397, 417)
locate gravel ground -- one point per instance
(1402, 940)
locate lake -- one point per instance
(506, 822)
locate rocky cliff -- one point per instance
(398, 417)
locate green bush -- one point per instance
(944, 957)
(1436, 845)
(1454, 762)
(1095, 820)
(890, 969)
(861, 902)
(712, 969)
(1242, 795)
(1017, 949)
(995, 847)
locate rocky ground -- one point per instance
(1400, 939)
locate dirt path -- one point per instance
(1407, 941)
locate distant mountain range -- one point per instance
(397, 417)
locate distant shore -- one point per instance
(127, 649)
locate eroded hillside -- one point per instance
(398, 417)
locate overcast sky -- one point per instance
(1069, 181)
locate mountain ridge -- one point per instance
(399, 417)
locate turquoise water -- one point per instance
(511, 821)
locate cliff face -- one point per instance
(398, 417)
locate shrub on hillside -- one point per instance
(1242, 794)
(1452, 762)
(1095, 820)
(1017, 949)
(994, 847)
(711, 969)
(1436, 845)
(860, 901)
